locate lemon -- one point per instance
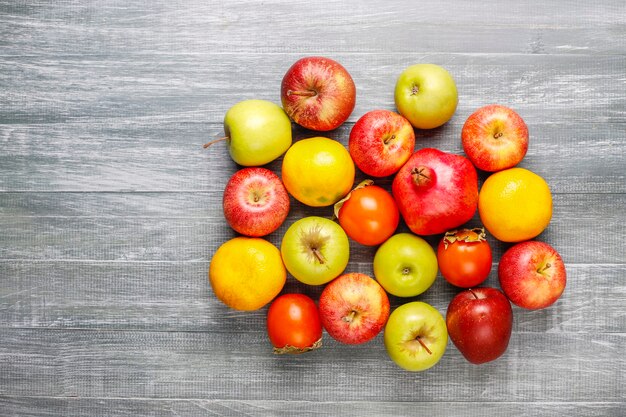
(318, 171)
(247, 273)
(515, 205)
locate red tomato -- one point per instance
(369, 215)
(464, 257)
(293, 324)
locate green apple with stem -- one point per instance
(315, 250)
(426, 95)
(416, 336)
(257, 132)
(405, 265)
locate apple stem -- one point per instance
(473, 293)
(388, 139)
(419, 339)
(307, 93)
(350, 317)
(546, 266)
(318, 255)
(206, 145)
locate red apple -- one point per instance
(494, 138)
(479, 323)
(318, 93)
(532, 274)
(381, 141)
(255, 201)
(436, 191)
(354, 308)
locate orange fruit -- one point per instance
(247, 273)
(515, 205)
(318, 171)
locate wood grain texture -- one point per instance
(45, 407)
(110, 209)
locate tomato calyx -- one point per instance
(288, 349)
(476, 234)
(340, 203)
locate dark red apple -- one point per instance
(354, 308)
(532, 274)
(479, 323)
(255, 201)
(318, 93)
(494, 138)
(381, 141)
(436, 191)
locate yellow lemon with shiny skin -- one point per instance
(515, 204)
(318, 171)
(246, 273)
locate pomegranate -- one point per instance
(436, 191)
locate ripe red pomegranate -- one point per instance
(436, 191)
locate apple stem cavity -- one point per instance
(542, 269)
(350, 317)
(422, 176)
(419, 339)
(389, 139)
(206, 145)
(307, 93)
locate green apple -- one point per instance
(315, 250)
(426, 95)
(416, 336)
(257, 131)
(405, 265)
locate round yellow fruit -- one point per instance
(318, 171)
(247, 273)
(515, 205)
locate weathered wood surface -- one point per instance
(110, 209)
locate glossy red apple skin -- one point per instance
(494, 138)
(318, 93)
(480, 322)
(381, 141)
(532, 274)
(354, 308)
(255, 201)
(436, 191)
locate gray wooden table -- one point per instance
(110, 209)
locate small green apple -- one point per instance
(315, 250)
(405, 265)
(257, 131)
(416, 336)
(426, 95)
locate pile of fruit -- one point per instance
(433, 192)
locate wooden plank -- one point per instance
(153, 155)
(373, 26)
(195, 227)
(128, 87)
(111, 364)
(175, 296)
(48, 407)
